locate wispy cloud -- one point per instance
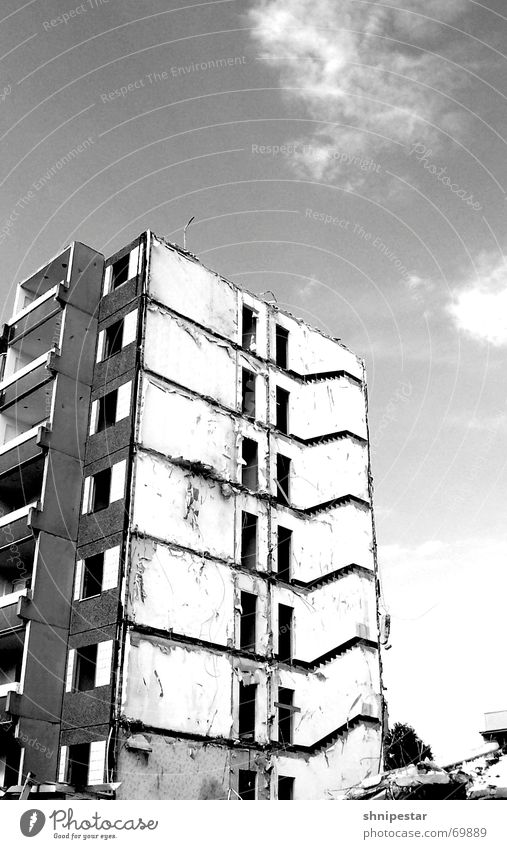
(479, 308)
(363, 66)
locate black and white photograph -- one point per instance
(253, 417)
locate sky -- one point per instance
(348, 156)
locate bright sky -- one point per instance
(381, 221)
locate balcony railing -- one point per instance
(10, 611)
(12, 598)
(10, 687)
(25, 380)
(20, 373)
(16, 525)
(30, 308)
(23, 448)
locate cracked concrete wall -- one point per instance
(192, 290)
(174, 769)
(198, 594)
(187, 287)
(202, 600)
(189, 689)
(311, 352)
(327, 542)
(192, 690)
(155, 693)
(185, 769)
(177, 350)
(184, 354)
(339, 767)
(190, 769)
(320, 473)
(333, 695)
(197, 431)
(175, 505)
(201, 597)
(321, 407)
(327, 617)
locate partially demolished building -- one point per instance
(188, 587)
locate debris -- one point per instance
(482, 776)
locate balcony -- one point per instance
(16, 530)
(38, 315)
(32, 332)
(23, 449)
(11, 611)
(16, 566)
(54, 273)
(11, 659)
(31, 387)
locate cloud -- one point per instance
(480, 307)
(493, 425)
(361, 65)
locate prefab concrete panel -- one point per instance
(183, 425)
(329, 616)
(76, 354)
(53, 578)
(174, 769)
(170, 503)
(171, 686)
(191, 290)
(329, 773)
(61, 494)
(69, 415)
(312, 353)
(183, 354)
(170, 589)
(85, 277)
(320, 473)
(323, 543)
(39, 739)
(330, 406)
(45, 671)
(334, 695)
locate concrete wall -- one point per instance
(177, 350)
(310, 352)
(328, 541)
(333, 695)
(198, 593)
(201, 601)
(180, 424)
(192, 290)
(321, 473)
(174, 769)
(180, 506)
(328, 616)
(188, 689)
(353, 757)
(190, 769)
(322, 407)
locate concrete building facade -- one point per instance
(201, 620)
